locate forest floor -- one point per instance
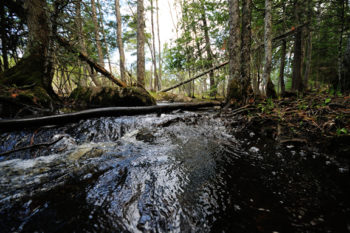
(317, 120)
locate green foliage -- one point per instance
(327, 101)
(267, 107)
(341, 131)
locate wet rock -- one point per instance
(145, 135)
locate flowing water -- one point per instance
(179, 172)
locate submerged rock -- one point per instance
(111, 96)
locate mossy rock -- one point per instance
(111, 96)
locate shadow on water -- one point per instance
(181, 172)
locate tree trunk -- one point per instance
(233, 86)
(39, 39)
(213, 90)
(297, 82)
(246, 46)
(268, 89)
(120, 41)
(97, 33)
(200, 55)
(340, 46)
(282, 66)
(36, 67)
(154, 58)
(346, 72)
(159, 51)
(3, 37)
(82, 45)
(140, 44)
(104, 36)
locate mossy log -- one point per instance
(92, 97)
(10, 125)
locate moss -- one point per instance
(27, 72)
(111, 96)
(22, 86)
(234, 90)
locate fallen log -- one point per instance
(14, 124)
(84, 57)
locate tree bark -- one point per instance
(82, 45)
(282, 66)
(268, 89)
(309, 45)
(233, 87)
(297, 82)
(97, 34)
(140, 44)
(213, 90)
(246, 46)
(120, 41)
(346, 70)
(154, 59)
(39, 39)
(3, 36)
(340, 45)
(159, 51)
(104, 36)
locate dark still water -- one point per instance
(181, 172)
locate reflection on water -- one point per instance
(183, 172)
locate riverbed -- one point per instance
(177, 172)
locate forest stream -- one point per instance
(177, 172)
